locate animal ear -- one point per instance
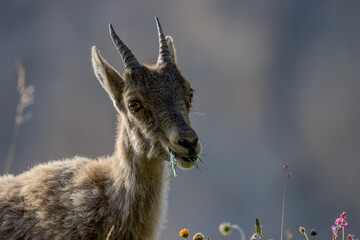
(170, 43)
(108, 77)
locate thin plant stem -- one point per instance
(12, 147)
(306, 236)
(283, 210)
(343, 233)
(234, 226)
(26, 100)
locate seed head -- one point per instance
(289, 235)
(302, 230)
(225, 228)
(313, 232)
(285, 166)
(198, 236)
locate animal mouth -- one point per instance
(188, 161)
(185, 158)
(182, 161)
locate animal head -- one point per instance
(153, 101)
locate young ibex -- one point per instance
(82, 198)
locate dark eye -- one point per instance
(134, 106)
(191, 95)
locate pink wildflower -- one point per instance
(335, 232)
(341, 221)
(350, 237)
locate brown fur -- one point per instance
(81, 198)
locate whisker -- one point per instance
(201, 114)
(194, 163)
(200, 160)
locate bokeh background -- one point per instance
(276, 80)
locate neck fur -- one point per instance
(138, 181)
(133, 155)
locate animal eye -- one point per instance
(191, 95)
(134, 106)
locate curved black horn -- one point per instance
(127, 56)
(164, 53)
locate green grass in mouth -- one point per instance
(173, 163)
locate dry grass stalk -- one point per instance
(109, 234)
(26, 100)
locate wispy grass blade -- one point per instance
(172, 173)
(258, 228)
(173, 163)
(26, 100)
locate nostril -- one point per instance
(184, 142)
(187, 144)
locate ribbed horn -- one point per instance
(127, 56)
(164, 53)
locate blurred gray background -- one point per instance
(278, 81)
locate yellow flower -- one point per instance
(184, 233)
(198, 236)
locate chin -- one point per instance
(184, 163)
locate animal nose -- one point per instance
(187, 143)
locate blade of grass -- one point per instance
(172, 173)
(173, 163)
